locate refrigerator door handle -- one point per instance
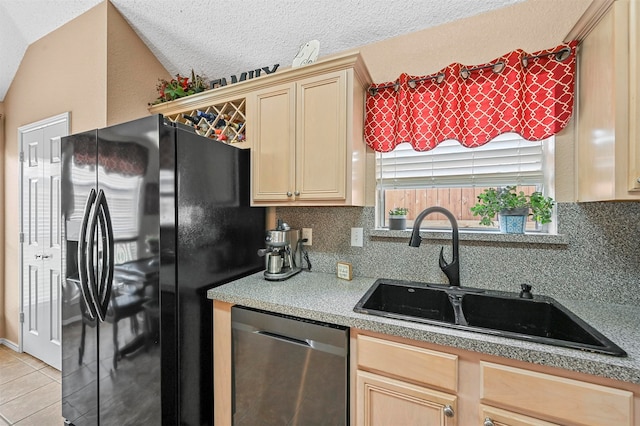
(106, 274)
(92, 254)
(82, 257)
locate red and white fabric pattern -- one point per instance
(528, 94)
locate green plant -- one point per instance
(399, 211)
(179, 87)
(494, 200)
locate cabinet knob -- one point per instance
(297, 193)
(488, 422)
(448, 411)
(289, 194)
(638, 180)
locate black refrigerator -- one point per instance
(154, 216)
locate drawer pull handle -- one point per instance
(448, 411)
(488, 422)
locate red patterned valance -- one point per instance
(528, 94)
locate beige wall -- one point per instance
(94, 67)
(132, 71)
(2, 325)
(531, 25)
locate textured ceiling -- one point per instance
(220, 39)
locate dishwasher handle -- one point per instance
(309, 343)
(286, 339)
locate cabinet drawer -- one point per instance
(499, 417)
(558, 398)
(408, 362)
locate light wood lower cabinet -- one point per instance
(404, 382)
(569, 401)
(400, 384)
(384, 401)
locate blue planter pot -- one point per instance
(513, 221)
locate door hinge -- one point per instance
(22, 237)
(21, 317)
(22, 156)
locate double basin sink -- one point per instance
(537, 319)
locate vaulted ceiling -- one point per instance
(219, 39)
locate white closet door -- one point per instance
(42, 240)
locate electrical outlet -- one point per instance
(357, 237)
(306, 233)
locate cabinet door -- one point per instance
(608, 153)
(634, 95)
(566, 400)
(321, 134)
(273, 154)
(490, 416)
(381, 401)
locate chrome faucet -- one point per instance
(452, 269)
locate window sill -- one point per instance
(482, 236)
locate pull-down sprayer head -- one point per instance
(452, 269)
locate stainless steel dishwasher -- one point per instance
(288, 370)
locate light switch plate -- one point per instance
(344, 270)
(357, 237)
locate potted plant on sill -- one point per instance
(398, 218)
(512, 208)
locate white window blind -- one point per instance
(506, 160)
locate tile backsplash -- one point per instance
(600, 262)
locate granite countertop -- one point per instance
(324, 297)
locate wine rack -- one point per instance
(224, 113)
(224, 122)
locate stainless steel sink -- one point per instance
(540, 319)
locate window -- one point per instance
(452, 176)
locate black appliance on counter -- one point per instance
(154, 216)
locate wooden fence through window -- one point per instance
(457, 200)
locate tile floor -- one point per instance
(30, 391)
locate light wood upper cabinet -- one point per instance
(305, 127)
(308, 146)
(300, 148)
(321, 135)
(634, 94)
(608, 137)
(274, 143)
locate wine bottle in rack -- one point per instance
(192, 119)
(209, 117)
